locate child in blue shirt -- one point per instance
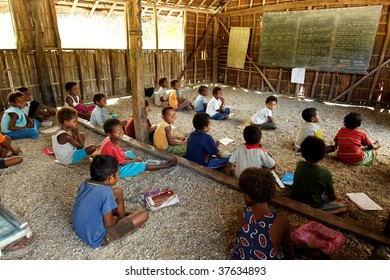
(201, 146)
(201, 101)
(99, 216)
(15, 123)
(100, 114)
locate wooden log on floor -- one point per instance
(278, 200)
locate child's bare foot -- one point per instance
(172, 162)
(21, 244)
(376, 145)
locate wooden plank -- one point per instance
(332, 83)
(297, 5)
(113, 68)
(205, 53)
(349, 96)
(196, 45)
(133, 9)
(278, 199)
(361, 80)
(98, 70)
(251, 47)
(80, 54)
(41, 61)
(313, 87)
(382, 57)
(111, 9)
(279, 80)
(157, 58)
(215, 50)
(74, 6)
(94, 8)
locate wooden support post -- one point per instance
(98, 70)
(113, 68)
(382, 57)
(133, 9)
(251, 48)
(313, 87)
(349, 96)
(61, 68)
(157, 56)
(361, 80)
(279, 80)
(205, 54)
(215, 49)
(81, 60)
(387, 226)
(297, 89)
(332, 83)
(262, 80)
(41, 61)
(196, 46)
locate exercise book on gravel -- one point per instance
(363, 201)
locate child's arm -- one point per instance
(30, 122)
(280, 236)
(173, 141)
(271, 119)
(12, 122)
(205, 105)
(222, 107)
(240, 218)
(75, 139)
(8, 147)
(109, 220)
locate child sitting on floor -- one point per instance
(130, 130)
(313, 184)
(129, 165)
(8, 154)
(263, 234)
(201, 101)
(163, 138)
(350, 139)
(216, 106)
(35, 109)
(74, 100)
(309, 128)
(100, 114)
(161, 95)
(176, 101)
(15, 123)
(264, 118)
(250, 154)
(99, 215)
(68, 143)
(201, 146)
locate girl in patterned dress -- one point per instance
(263, 234)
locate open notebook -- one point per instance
(363, 201)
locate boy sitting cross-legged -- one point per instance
(201, 146)
(99, 214)
(250, 154)
(129, 165)
(68, 143)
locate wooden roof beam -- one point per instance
(212, 3)
(94, 8)
(201, 4)
(189, 3)
(294, 5)
(75, 2)
(177, 9)
(111, 9)
(170, 12)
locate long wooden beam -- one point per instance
(361, 80)
(252, 62)
(278, 199)
(298, 5)
(199, 44)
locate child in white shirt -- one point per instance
(216, 106)
(264, 118)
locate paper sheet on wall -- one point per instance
(298, 75)
(238, 45)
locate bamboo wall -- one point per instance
(95, 71)
(322, 85)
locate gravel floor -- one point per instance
(203, 225)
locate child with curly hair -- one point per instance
(350, 139)
(263, 234)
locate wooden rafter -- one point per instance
(201, 4)
(170, 12)
(189, 3)
(209, 6)
(94, 8)
(111, 9)
(75, 2)
(222, 7)
(297, 5)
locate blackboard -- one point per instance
(331, 40)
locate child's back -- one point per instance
(250, 154)
(63, 152)
(309, 127)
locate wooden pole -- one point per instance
(349, 96)
(157, 57)
(133, 9)
(80, 55)
(205, 54)
(313, 87)
(332, 83)
(215, 49)
(382, 57)
(196, 46)
(61, 67)
(113, 68)
(41, 61)
(361, 80)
